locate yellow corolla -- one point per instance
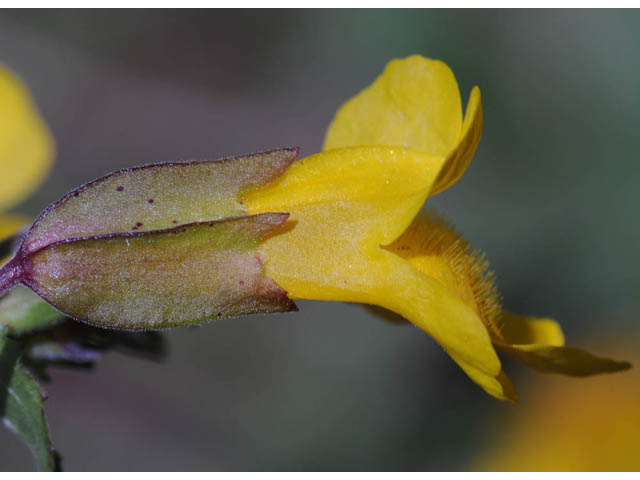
(356, 231)
(26, 148)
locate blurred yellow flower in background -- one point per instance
(571, 426)
(356, 231)
(26, 148)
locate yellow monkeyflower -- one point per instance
(589, 426)
(356, 232)
(26, 148)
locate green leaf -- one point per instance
(23, 312)
(156, 246)
(22, 405)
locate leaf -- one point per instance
(76, 344)
(22, 406)
(22, 312)
(156, 246)
(49, 338)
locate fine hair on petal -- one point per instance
(430, 241)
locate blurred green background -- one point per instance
(552, 197)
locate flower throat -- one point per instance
(432, 245)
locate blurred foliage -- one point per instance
(45, 339)
(22, 405)
(22, 312)
(75, 344)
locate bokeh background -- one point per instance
(552, 197)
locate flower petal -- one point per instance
(415, 103)
(432, 246)
(26, 146)
(498, 386)
(522, 330)
(383, 188)
(566, 360)
(11, 224)
(458, 160)
(344, 205)
(434, 308)
(539, 344)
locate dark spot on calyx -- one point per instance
(120, 188)
(175, 221)
(150, 200)
(139, 224)
(241, 282)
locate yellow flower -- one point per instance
(564, 426)
(357, 234)
(26, 148)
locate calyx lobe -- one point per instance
(156, 246)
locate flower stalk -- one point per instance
(10, 274)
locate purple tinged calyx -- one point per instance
(17, 269)
(68, 228)
(63, 219)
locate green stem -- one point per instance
(10, 274)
